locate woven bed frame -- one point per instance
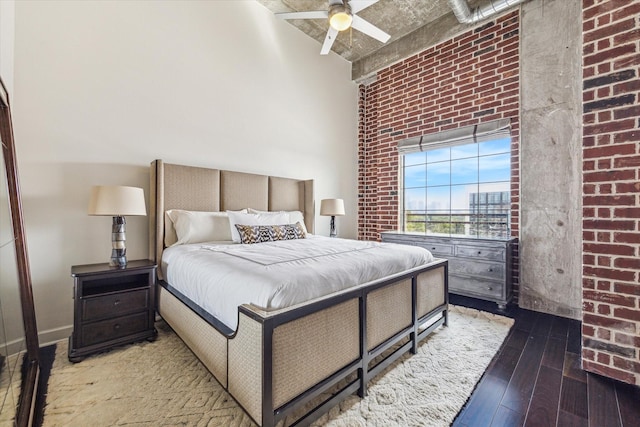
(293, 364)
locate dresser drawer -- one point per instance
(106, 330)
(486, 269)
(476, 287)
(114, 305)
(480, 252)
(439, 248)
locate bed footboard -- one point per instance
(208, 344)
(316, 354)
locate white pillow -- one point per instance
(197, 226)
(254, 219)
(294, 216)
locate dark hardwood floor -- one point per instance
(536, 379)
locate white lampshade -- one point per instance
(332, 207)
(114, 200)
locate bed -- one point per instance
(288, 364)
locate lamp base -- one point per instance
(118, 247)
(333, 232)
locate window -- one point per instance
(458, 186)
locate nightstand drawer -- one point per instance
(480, 252)
(113, 305)
(106, 330)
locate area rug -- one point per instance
(163, 384)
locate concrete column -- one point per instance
(551, 157)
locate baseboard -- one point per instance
(53, 336)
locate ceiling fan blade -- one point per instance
(328, 40)
(358, 5)
(369, 29)
(314, 14)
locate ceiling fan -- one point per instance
(342, 16)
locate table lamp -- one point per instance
(332, 208)
(117, 201)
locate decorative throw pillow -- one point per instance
(269, 233)
(254, 219)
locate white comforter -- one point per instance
(273, 275)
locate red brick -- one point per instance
(627, 288)
(627, 313)
(606, 55)
(626, 238)
(608, 372)
(628, 340)
(588, 354)
(589, 12)
(612, 175)
(609, 298)
(603, 224)
(587, 330)
(630, 263)
(609, 273)
(604, 310)
(609, 200)
(603, 358)
(628, 187)
(615, 324)
(626, 162)
(626, 364)
(631, 136)
(612, 150)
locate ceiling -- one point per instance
(399, 18)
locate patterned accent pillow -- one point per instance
(270, 233)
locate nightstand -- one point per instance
(112, 306)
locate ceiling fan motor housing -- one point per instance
(340, 16)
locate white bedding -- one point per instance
(271, 275)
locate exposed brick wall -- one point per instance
(611, 188)
(469, 79)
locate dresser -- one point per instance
(478, 268)
(112, 306)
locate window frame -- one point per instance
(478, 217)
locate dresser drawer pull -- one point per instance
(479, 252)
(116, 326)
(116, 302)
(490, 269)
(489, 288)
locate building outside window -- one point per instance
(458, 187)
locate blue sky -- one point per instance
(443, 178)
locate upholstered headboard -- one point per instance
(201, 189)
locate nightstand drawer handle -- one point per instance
(489, 288)
(116, 326)
(490, 269)
(479, 252)
(116, 302)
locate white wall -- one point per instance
(7, 33)
(103, 88)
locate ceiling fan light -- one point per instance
(340, 17)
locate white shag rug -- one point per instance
(163, 384)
